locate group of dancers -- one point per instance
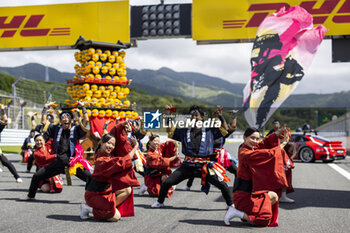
(262, 172)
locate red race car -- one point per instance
(314, 147)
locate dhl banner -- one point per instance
(62, 24)
(228, 19)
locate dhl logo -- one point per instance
(30, 27)
(320, 15)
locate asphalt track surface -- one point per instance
(322, 205)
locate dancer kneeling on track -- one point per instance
(44, 154)
(159, 161)
(260, 172)
(103, 194)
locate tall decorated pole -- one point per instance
(101, 82)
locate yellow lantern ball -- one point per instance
(115, 53)
(112, 71)
(86, 87)
(102, 113)
(99, 51)
(69, 90)
(91, 64)
(110, 87)
(126, 103)
(126, 90)
(109, 65)
(88, 111)
(106, 93)
(68, 102)
(103, 57)
(102, 88)
(108, 78)
(111, 59)
(77, 56)
(135, 115)
(122, 114)
(128, 114)
(119, 59)
(90, 77)
(108, 113)
(123, 78)
(113, 95)
(96, 70)
(99, 64)
(120, 72)
(108, 52)
(87, 57)
(117, 102)
(94, 101)
(95, 57)
(94, 113)
(121, 95)
(104, 70)
(91, 51)
(102, 100)
(94, 87)
(115, 78)
(89, 93)
(115, 66)
(117, 89)
(87, 99)
(98, 77)
(97, 94)
(115, 114)
(122, 54)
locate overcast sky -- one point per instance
(226, 61)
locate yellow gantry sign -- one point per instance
(233, 19)
(58, 25)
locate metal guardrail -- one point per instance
(13, 137)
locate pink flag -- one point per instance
(284, 47)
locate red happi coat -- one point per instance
(111, 170)
(122, 149)
(289, 165)
(159, 159)
(44, 156)
(264, 166)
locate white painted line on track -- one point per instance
(340, 170)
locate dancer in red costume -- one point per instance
(103, 194)
(260, 171)
(159, 160)
(44, 154)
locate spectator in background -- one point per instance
(276, 126)
(27, 150)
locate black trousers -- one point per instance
(53, 169)
(232, 168)
(185, 172)
(9, 165)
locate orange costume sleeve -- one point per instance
(154, 159)
(122, 149)
(266, 165)
(168, 149)
(263, 166)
